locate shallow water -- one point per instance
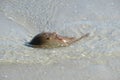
(102, 42)
(21, 20)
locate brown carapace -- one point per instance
(52, 40)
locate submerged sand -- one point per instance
(93, 58)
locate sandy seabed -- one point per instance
(93, 58)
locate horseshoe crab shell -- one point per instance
(52, 40)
